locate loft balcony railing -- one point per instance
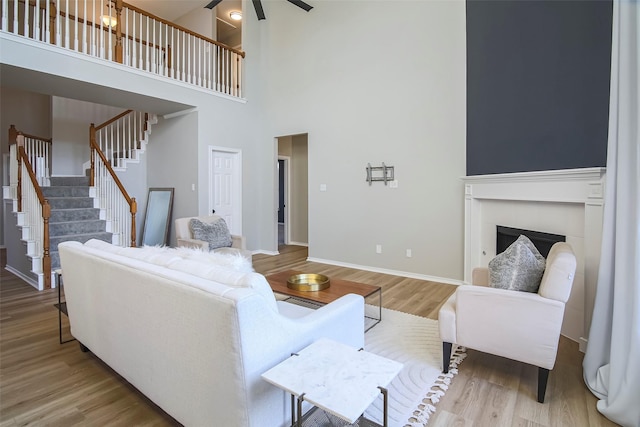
(120, 32)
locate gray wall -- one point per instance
(538, 85)
(366, 95)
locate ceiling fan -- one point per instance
(257, 5)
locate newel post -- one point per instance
(118, 52)
(92, 141)
(46, 256)
(133, 209)
(13, 136)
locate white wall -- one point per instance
(70, 130)
(373, 82)
(200, 20)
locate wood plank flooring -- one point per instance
(44, 383)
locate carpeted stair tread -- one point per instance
(66, 191)
(76, 227)
(70, 202)
(56, 181)
(76, 214)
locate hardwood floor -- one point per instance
(43, 382)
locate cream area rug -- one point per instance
(415, 342)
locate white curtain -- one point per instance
(612, 361)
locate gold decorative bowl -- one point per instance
(308, 282)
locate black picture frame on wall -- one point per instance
(157, 217)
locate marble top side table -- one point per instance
(339, 379)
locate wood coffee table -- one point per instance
(337, 289)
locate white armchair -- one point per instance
(517, 325)
(184, 237)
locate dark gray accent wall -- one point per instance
(537, 84)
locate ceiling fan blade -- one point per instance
(257, 5)
(212, 4)
(301, 4)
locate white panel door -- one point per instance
(226, 188)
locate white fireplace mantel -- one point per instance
(568, 202)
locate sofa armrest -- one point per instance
(518, 325)
(193, 243)
(342, 320)
(480, 276)
(238, 242)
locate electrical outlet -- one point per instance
(378, 249)
(409, 254)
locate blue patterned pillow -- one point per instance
(520, 267)
(216, 233)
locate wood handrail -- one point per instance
(95, 146)
(26, 135)
(133, 205)
(186, 30)
(23, 155)
(108, 122)
(46, 214)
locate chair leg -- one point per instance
(446, 356)
(543, 376)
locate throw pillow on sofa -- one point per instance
(520, 267)
(216, 233)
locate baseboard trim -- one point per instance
(582, 344)
(306, 245)
(387, 271)
(29, 280)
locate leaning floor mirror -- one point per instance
(157, 217)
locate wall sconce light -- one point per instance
(235, 15)
(109, 21)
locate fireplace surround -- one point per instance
(564, 202)
(505, 236)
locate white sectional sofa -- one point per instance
(193, 334)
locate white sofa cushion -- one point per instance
(232, 259)
(228, 277)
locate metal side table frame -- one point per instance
(62, 308)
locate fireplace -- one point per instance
(565, 203)
(505, 236)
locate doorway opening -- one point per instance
(292, 191)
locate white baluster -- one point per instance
(75, 28)
(101, 32)
(84, 29)
(26, 19)
(15, 18)
(36, 21)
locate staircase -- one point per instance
(73, 216)
(50, 210)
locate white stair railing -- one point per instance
(116, 31)
(113, 142)
(29, 166)
(35, 221)
(123, 138)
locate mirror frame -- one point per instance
(162, 213)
